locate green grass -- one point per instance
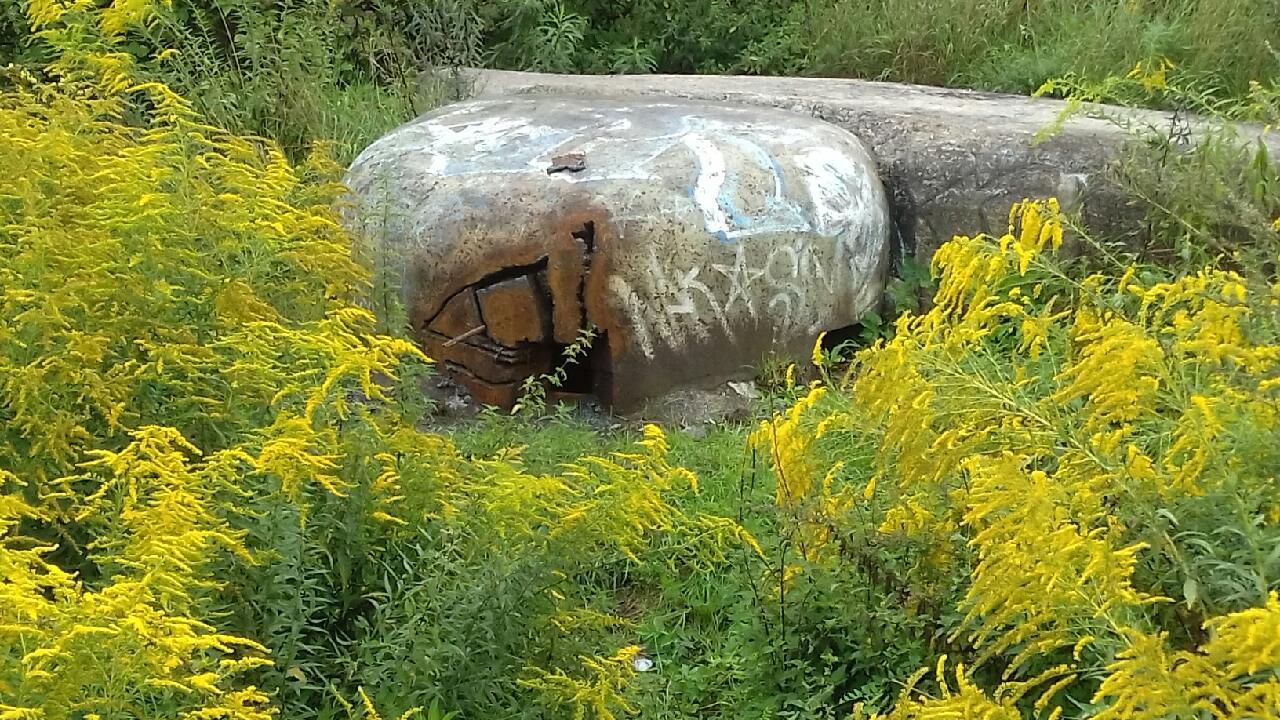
(718, 456)
(710, 631)
(1003, 45)
(352, 117)
(1016, 45)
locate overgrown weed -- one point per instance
(284, 71)
(215, 500)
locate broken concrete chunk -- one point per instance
(699, 240)
(515, 311)
(459, 317)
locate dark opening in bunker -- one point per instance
(582, 371)
(847, 336)
(582, 374)
(840, 336)
(587, 236)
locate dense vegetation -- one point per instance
(1050, 494)
(345, 70)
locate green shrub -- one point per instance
(1209, 191)
(294, 71)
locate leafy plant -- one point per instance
(1062, 450)
(634, 58)
(906, 291)
(533, 391)
(1209, 191)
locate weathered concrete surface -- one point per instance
(698, 238)
(953, 161)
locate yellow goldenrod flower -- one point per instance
(817, 354)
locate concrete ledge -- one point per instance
(953, 161)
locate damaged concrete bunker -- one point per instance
(695, 239)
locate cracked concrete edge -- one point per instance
(952, 160)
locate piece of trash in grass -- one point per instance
(641, 663)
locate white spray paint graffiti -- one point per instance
(456, 144)
(461, 144)
(709, 183)
(740, 276)
(794, 285)
(685, 315)
(822, 245)
(821, 241)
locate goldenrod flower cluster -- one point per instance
(1099, 450)
(182, 346)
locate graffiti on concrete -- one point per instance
(785, 285)
(462, 144)
(676, 229)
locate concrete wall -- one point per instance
(953, 161)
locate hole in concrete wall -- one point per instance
(589, 374)
(588, 237)
(602, 369)
(848, 334)
(580, 376)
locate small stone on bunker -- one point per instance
(573, 162)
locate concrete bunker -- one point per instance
(695, 239)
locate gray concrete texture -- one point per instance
(953, 161)
(698, 238)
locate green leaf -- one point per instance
(1190, 591)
